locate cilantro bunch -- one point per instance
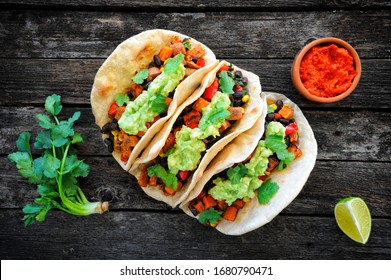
(56, 171)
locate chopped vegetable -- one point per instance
(222, 205)
(192, 119)
(236, 113)
(57, 170)
(201, 62)
(209, 201)
(140, 76)
(170, 180)
(198, 52)
(239, 203)
(199, 104)
(113, 109)
(266, 191)
(286, 112)
(178, 48)
(226, 124)
(183, 174)
(152, 181)
(199, 206)
(210, 215)
(165, 53)
(230, 213)
(295, 151)
(211, 90)
(121, 99)
(153, 72)
(226, 83)
(291, 128)
(224, 67)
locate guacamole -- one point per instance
(189, 144)
(226, 190)
(139, 112)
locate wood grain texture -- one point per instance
(29, 81)
(141, 235)
(330, 181)
(357, 135)
(65, 34)
(200, 4)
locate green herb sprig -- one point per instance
(56, 171)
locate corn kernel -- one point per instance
(115, 134)
(274, 106)
(287, 105)
(267, 173)
(242, 110)
(245, 98)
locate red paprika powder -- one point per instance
(327, 71)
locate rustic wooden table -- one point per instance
(57, 47)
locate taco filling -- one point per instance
(228, 192)
(200, 125)
(149, 95)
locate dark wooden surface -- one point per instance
(58, 46)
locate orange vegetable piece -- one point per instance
(176, 40)
(169, 191)
(153, 181)
(169, 142)
(226, 124)
(168, 101)
(239, 203)
(119, 112)
(286, 112)
(295, 150)
(165, 53)
(273, 163)
(222, 205)
(199, 206)
(236, 113)
(230, 213)
(143, 179)
(199, 104)
(192, 118)
(196, 52)
(209, 201)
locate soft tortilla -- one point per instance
(132, 55)
(254, 108)
(290, 180)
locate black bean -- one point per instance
(284, 122)
(193, 210)
(195, 59)
(292, 120)
(231, 97)
(152, 64)
(171, 94)
(238, 74)
(109, 144)
(287, 141)
(245, 80)
(238, 103)
(157, 61)
(107, 128)
(230, 74)
(146, 85)
(238, 95)
(270, 117)
(279, 104)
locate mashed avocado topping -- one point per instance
(228, 191)
(189, 144)
(187, 151)
(140, 111)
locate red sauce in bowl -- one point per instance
(327, 71)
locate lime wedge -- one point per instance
(353, 218)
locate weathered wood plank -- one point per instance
(140, 235)
(357, 135)
(73, 34)
(329, 182)
(29, 81)
(199, 5)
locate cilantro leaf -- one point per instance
(74, 118)
(121, 99)
(235, 174)
(44, 121)
(277, 144)
(172, 64)
(70, 184)
(219, 115)
(53, 104)
(266, 191)
(226, 83)
(285, 158)
(25, 166)
(23, 142)
(31, 212)
(43, 141)
(81, 171)
(169, 179)
(140, 77)
(77, 138)
(186, 43)
(47, 191)
(210, 215)
(158, 104)
(60, 133)
(71, 163)
(169, 152)
(51, 165)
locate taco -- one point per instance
(226, 104)
(140, 85)
(258, 174)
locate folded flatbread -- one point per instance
(130, 57)
(253, 108)
(290, 180)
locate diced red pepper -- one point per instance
(211, 90)
(277, 116)
(262, 178)
(113, 109)
(183, 174)
(291, 128)
(192, 125)
(201, 194)
(238, 88)
(201, 62)
(225, 67)
(155, 119)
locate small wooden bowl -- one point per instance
(295, 71)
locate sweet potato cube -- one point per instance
(200, 103)
(230, 213)
(286, 112)
(209, 201)
(236, 113)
